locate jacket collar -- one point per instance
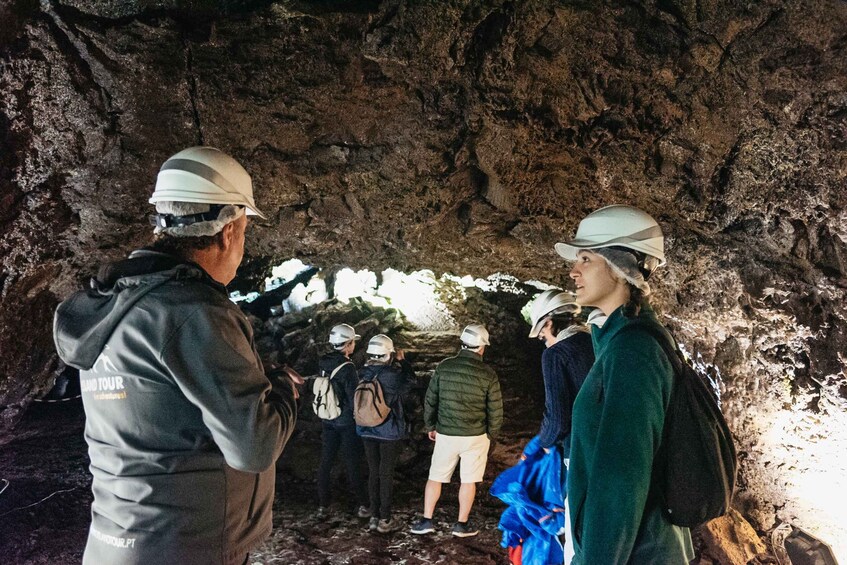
(601, 336)
(469, 353)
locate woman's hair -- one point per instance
(564, 321)
(184, 247)
(637, 298)
(636, 301)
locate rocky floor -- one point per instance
(44, 511)
(44, 508)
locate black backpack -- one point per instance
(695, 467)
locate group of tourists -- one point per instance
(184, 426)
(387, 378)
(463, 412)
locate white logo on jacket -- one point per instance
(106, 388)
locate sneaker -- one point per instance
(364, 512)
(464, 530)
(386, 526)
(373, 524)
(423, 526)
(322, 512)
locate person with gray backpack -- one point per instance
(333, 389)
(381, 422)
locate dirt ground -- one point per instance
(45, 505)
(45, 509)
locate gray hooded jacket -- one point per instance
(182, 424)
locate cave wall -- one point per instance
(466, 137)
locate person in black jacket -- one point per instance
(340, 433)
(382, 442)
(564, 364)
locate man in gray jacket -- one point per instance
(182, 424)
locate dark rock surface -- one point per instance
(465, 137)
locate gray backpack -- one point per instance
(326, 403)
(369, 406)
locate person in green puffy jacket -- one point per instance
(463, 412)
(619, 413)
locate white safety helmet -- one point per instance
(380, 344)
(474, 336)
(551, 302)
(341, 334)
(205, 175)
(617, 226)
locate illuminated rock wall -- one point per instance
(467, 138)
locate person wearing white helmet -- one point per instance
(183, 426)
(569, 354)
(618, 415)
(463, 413)
(383, 442)
(564, 363)
(339, 434)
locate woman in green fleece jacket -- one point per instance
(619, 413)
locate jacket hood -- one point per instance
(331, 360)
(84, 322)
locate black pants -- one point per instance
(344, 439)
(382, 457)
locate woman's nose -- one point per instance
(573, 272)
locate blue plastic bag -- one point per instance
(534, 492)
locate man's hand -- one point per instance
(295, 378)
(287, 373)
(432, 435)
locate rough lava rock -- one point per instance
(465, 137)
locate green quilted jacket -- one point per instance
(463, 398)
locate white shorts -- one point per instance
(471, 450)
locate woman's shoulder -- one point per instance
(637, 338)
(381, 371)
(579, 340)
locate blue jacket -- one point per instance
(564, 365)
(396, 382)
(343, 383)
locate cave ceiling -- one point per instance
(464, 137)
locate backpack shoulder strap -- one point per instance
(670, 348)
(375, 375)
(335, 371)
